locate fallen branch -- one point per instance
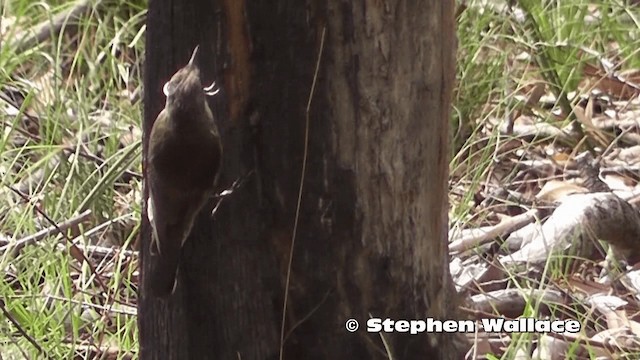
(29, 38)
(52, 230)
(580, 220)
(471, 238)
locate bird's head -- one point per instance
(185, 87)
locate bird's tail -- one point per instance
(164, 276)
(165, 263)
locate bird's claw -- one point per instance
(223, 194)
(211, 90)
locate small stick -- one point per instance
(52, 230)
(22, 331)
(41, 32)
(74, 251)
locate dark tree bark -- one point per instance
(372, 228)
(223, 302)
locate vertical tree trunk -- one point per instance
(372, 227)
(222, 307)
(373, 224)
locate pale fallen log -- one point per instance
(470, 238)
(577, 223)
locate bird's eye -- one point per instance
(168, 89)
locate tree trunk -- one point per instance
(371, 231)
(222, 305)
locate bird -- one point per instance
(184, 160)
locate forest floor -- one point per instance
(544, 220)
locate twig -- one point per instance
(131, 311)
(53, 230)
(74, 250)
(96, 251)
(302, 176)
(22, 332)
(309, 314)
(100, 161)
(69, 149)
(481, 236)
(41, 32)
(90, 351)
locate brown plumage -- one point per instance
(184, 159)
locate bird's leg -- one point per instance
(226, 192)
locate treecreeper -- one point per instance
(184, 159)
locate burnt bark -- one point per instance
(222, 305)
(372, 227)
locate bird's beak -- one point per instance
(193, 56)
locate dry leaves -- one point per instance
(554, 230)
